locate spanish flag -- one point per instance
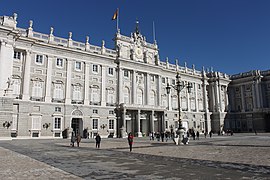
(115, 15)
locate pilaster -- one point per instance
(68, 81)
(48, 79)
(86, 84)
(134, 88)
(147, 85)
(6, 66)
(103, 86)
(26, 75)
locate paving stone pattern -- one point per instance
(242, 156)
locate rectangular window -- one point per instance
(58, 92)
(95, 123)
(36, 123)
(57, 123)
(39, 59)
(95, 68)
(166, 125)
(59, 62)
(78, 66)
(111, 124)
(14, 122)
(57, 109)
(152, 78)
(111, 112)
(125, 73)
(163, 80)
(95, 111)
(37, 89)
(17, 55)
(173, 81)
(77, 95)
(110, 71)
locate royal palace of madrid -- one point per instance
(51, 86)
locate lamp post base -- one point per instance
(180, 139)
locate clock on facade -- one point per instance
(138, 53)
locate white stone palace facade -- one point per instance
(51, 86)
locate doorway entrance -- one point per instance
(77, 126)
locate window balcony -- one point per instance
(37, 98)
(110, 104)
(77, 102)
(58, 100)
(95, 103)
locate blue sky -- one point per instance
(232, 36)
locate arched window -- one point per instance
(164, 100)
(152, 98)
(95, 94)
(37, 89)
(16, 86)
(140, 96)
(77, 94)
(58, 92)
(110, 96)
(126, 96)
(174, 102)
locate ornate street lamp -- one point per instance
(180, 85)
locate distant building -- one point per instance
(249, 98)
(51, 86)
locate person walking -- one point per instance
(130, 141)
(98, 140)
(73, 139)
(78, 140)
(197, 134)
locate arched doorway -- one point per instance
(77, 122)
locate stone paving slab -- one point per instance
(221, 157)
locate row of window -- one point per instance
(95, 111)
(60, 63)
(36, 123)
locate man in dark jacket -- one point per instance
(98, 139)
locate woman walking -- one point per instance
(130, 141)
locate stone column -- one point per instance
(86, 84)
(159, 85)
(120, 86)
(26, 76)
(195, 86)
(152, 124)
(6, 66)
(242, 98)
(68, 81)
(216, 97)
(254, 96)
(257, 94)
(220, 100)
(48, 97)
(169, 100)
(103, 86)
(226, 98)
(205, 100)
(147, 85)
(134, 88)
(139, 123)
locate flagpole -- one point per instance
(117, 20)
(154, 33)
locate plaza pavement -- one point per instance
(242, 156)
